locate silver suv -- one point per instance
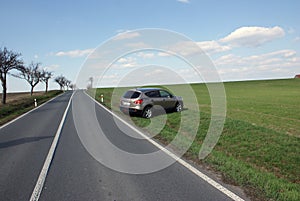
(142, 101)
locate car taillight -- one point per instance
(138, 102)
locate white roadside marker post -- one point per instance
(35, 103)
(102, 99)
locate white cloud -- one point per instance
(126, 62)
(282, 63)
(227, 60)
(242, 37)
(126, 35)
(74, 53)
(129, 65)
(183, 1)
(282, 53)
(212, 46)
(36, 56)
(164, 54)
(184, 48)
(297, 39)
(51, 67)
(187, 48)
(278, 58)
(122, 60)
(145, 55)
(155, 72)
(252, 36)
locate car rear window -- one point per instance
(132, 94)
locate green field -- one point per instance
(259, 148)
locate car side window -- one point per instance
(165, 94)
(152, 94)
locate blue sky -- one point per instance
(245, 39)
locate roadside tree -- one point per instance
(46, 75)
(9, 60)
(61, 81)
(32, 74)
(67, 84)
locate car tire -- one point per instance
(147, 112)
(178, 107)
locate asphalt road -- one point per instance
(24, 145)
(75, 174)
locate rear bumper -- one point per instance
(130, 111)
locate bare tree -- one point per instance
(46, 75)
(9, 60)
(67, 84)
(32, 74)
(61, 81)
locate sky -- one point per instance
(245, 40)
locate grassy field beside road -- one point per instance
(259, 148)
(19, 103)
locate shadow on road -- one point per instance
(22, 141)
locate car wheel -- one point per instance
(147, 113)
(178, 107)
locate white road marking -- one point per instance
(178, 159)
(43, 174)
(19, 117)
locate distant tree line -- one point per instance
(32, 73)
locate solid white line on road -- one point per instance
(19, 117)
(178, 159)
(42, 177)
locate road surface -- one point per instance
(74, 174)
